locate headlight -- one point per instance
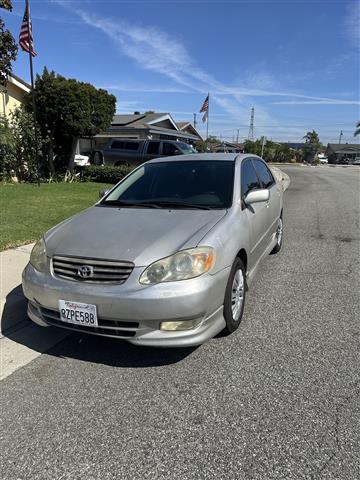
(181, 266)
(38, 256)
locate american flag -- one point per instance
(205, 109)
(26, 38)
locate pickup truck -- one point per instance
(126, 151)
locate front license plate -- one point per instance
(78, 313)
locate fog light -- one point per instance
(180, 325)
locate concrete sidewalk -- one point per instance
(12, 301)
(20, 339)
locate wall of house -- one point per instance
(11, 98)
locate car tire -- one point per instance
(98, 159)
(279, 237)
(234, 301)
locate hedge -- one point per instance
(103, 174)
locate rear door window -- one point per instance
(153, 148)
(118, 144)
(264, 173)
(131, 145)
(123, 145)
(249, 179)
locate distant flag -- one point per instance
(26, 38)
(205, 109)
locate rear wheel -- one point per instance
(234, 301)
(279, 237)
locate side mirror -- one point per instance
(102, 193)
(257, 196)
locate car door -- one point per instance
(169, 149)
(152, 150)
(274, 205)
(257, 213)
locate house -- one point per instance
(142, 126)
(188, 127)
(342, 152)
(13, 94)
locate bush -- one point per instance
(103, 174)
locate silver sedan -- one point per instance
(166, 257)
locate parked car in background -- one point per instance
(323, 158)
(166, 257)
(81, 160)
(124, 151)
(356, 161)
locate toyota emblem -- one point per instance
(85, 271)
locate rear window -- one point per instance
(123, 145)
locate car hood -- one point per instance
(138, 235)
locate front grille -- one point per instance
(101, 271)
(113, 328)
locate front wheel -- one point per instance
(279, 237)
(234, 301)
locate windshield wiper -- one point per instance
(164, 203)
(120, 203)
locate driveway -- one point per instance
(279, 399)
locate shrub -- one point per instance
(103, 174)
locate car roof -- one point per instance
(223, 157)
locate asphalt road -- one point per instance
(279, 399)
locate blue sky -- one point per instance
(295, 62)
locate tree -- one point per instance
(8, 47)
(68, 110)
(312, 146)
(18, 147)
(357, 131)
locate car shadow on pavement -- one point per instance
(60, 342)
(116, 353)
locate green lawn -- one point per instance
(27, 210)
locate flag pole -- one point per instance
(30, 42)
(207, 120)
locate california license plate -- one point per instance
(78, 313)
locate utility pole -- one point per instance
(263, 145)
(195, 123)
(341, 134)
(237, 136)
(251, 127)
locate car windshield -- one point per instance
(176, 184)
(186, 148)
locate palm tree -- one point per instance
(357, 131)
(311, 137)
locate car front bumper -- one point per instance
(131, 311)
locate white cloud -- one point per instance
(164, 54)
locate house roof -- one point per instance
(183, 125)
(19, 82)
(344, 147)
(189, 127)
(142, 120)
(159, 122)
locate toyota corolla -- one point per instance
(166, 257)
